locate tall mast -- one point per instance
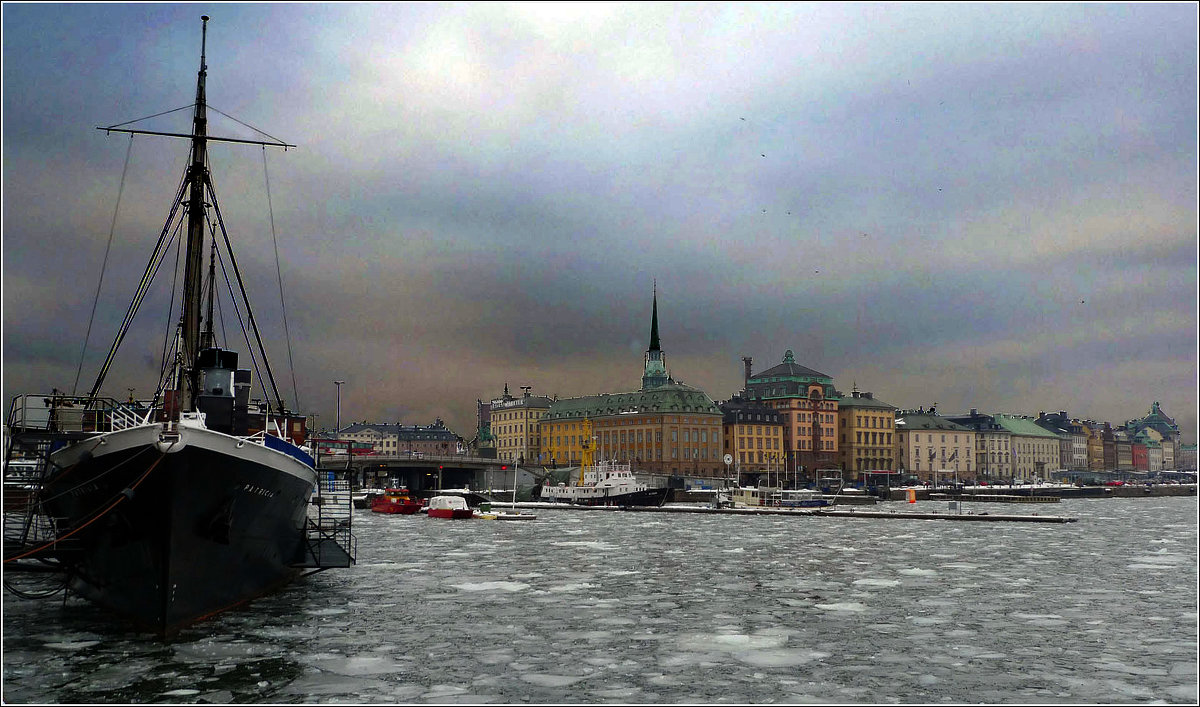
(197, 177)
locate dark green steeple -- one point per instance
(655, 373)
(654, 345)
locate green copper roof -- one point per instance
(669, 398)
(920, 421)
(789, 370)
(1023, 426)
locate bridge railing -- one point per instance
(427, 459)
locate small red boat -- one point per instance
(395, 501)
(449, 507)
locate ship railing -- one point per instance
(59, 413)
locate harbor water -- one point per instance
(613, 607)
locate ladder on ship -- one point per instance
(328, 540)
(36, 426)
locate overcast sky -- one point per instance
(978, 206)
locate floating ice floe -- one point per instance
(72, 645)
(842, 606)
(779, 658)
(869, 582)
(491, 586)
(546, 680)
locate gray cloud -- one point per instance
(990, 205)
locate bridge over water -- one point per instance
(426, 472)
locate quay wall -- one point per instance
(1130, 491)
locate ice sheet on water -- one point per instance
(325, 612)
(779, 658)
(71, 645)
(851, 606)
(588, 544)
(356, 665)
(575, 587)
(872, 582)
(500, 586)
(918, 572)
(705, 642)
(548, 680)
(224, 648)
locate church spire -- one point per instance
(655, 373)
(654, 344)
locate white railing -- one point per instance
(68, 413)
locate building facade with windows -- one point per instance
(395, 439)
(866, 432)
(934, 449)
(993, 445)
(807, 404)
(1071, 439)
(753, 437)
(1035, 450)
(1165, 428)
(1095, 444)
(514, 423)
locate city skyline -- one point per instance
(978, 206)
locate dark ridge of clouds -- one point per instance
(484, 196)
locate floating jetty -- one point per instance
(993, 498)
(803, 512)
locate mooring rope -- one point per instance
(120, 497)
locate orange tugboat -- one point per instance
(395, 501)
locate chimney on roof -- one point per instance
(869, 396)
(974, 412)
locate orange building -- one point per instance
(808, 407)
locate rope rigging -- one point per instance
(171, 234)
(142, 289)
(279, 275)
(103, 266)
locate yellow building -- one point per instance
(753, 439)
(866, 435)
(514, 426)
(1095, 444)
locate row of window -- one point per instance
(872, 421)
(748, 443)
(872, 437)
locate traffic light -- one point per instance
(504, 467)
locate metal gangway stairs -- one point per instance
(328, 540)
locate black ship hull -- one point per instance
(165, 534)
(648, 497)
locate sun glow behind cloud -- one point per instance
(912, 196)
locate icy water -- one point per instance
(611, 607)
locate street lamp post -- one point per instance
(338, 429)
